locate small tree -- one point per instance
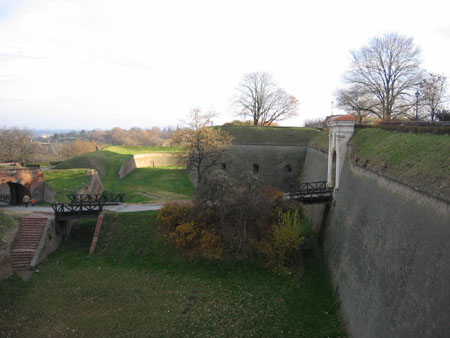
(204, 146)
(261, 99)
(433, 93)
(16, 145)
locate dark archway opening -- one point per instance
(17, 191)
(287, 168)
(333, 173)
(255, 168)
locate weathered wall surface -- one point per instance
(278, 166)
(29, 178)
(148, 160)
(387, 248)
(314, 170)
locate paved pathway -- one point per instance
(125, 207)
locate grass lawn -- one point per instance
(66, 181)
(420, 159)
(152, 185)
(270, 135)
(141, 185)
(137, 286)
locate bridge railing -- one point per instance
(92, 198)
(312, 192)
(77, 209)
(5, 198)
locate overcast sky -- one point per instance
(85, 64)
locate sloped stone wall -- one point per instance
(387, 250)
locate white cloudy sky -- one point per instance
(84, 64)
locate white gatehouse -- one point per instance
(341, 130)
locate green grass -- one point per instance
(137, 286)
(152, 185)
(131, 150)
(7, 222)
(419, 159)
(107, 163)
(67, 181)
(270, 135)
(142, 184)
(320, 141)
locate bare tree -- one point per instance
(261, 99)
(318, 123)
(433, 93)
(16, 145)
(203, 144)
(383, 77)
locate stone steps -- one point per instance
(27, 241)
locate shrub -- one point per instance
(191, 229)
(287, 237)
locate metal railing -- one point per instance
(93, 198)
(77, 209)
(5, 198)
(312, 192)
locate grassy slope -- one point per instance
(419, 159)
(320, 141)
(142, 184)
(130, 150)
(67, 181)
(137, 286)
(7, 223)
(270, 135)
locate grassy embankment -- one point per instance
(270, 135)
(142, 184)
(7, 223)
(135, 285)
(420, 160)
(67, 181)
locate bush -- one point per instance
(33, 165)
(287, 237)
(191, 230)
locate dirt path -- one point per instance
(126, 207)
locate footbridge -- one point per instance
(311, 193)
(85, 205)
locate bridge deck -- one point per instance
(311, 193)
(77, 210)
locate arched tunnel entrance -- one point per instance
(17, 191)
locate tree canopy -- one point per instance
(382, 78)
(261, 99)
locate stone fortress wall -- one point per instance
(148, 160)
(387, 248)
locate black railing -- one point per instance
(312, 192)
(94, 198)
(5, 198)
(77, 209)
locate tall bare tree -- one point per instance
(433, 93)
(203, 145)
(261, 99)
(383, 77)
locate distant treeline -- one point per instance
(117, 136)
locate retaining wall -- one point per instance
(277, 166)
(148, 160)
(387, 248)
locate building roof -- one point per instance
(342, 118)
